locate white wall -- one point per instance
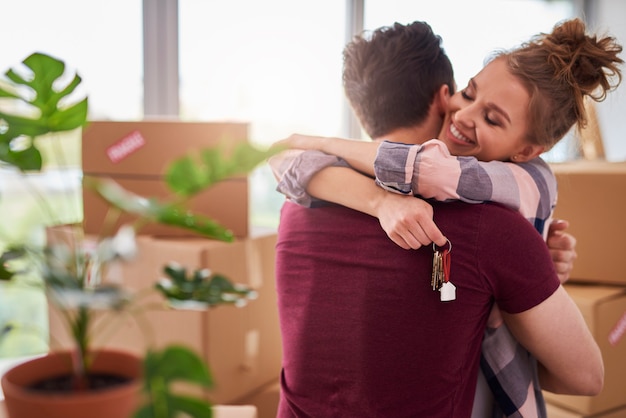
(610, 16)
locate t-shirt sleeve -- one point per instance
(293, 169)
(517, 265)
(430, 171)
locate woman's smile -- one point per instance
(456, 134)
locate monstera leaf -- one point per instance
(34, 104)
(164, 368)
(188, 175)
(39, 98)
(185, 177)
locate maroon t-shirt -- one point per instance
(364, 334)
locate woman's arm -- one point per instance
(293, 169)
(359, 154)
(562, 247)
(304, 177)
(407, 220)
(429, 170)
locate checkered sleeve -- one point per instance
(293, 169)
(430, 171)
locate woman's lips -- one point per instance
(458, 136)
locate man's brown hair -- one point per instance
(391, 75)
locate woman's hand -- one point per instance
(408, 221)
(562, 247)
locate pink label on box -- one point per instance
(618, 330)
(125, 146)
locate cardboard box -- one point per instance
(137, 154)
(557, 412)
(241, 345)
(592, 198)
(265, 400)
(234, 411)
(604, 311)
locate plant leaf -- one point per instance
(161, 369)
(28, 159)
(171, 406)
(188, 176)
(39, 100)
(201, 290)
(145, 411)
(193, 407)
(7, 272)
(200, 224)
(180, 363)
(176, 363)
(151, 210)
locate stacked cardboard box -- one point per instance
(265, 399)
(556, 412)
(241, 344)
(137, 154)
(592, 198)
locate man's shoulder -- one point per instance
(497, 213)
(475, 209)
(488, 217)
(324, 214)
(334, 231)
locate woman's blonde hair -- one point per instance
(559, 70)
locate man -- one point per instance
(365, 335)
(326, 269)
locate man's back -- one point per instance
(365, 335)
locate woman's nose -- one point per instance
(465, 116)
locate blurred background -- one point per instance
(275, 64)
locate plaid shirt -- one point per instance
(428, 170)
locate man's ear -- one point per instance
(528, 153)
(442, 97)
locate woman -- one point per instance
(517, 107)
(546, 81)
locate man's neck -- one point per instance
(412, 135)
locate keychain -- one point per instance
(440, 279)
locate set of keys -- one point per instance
(440, 280)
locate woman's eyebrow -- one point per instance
(491, 105)
(499, 110)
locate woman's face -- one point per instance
(489, 118)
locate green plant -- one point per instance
(38, 104)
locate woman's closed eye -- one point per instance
(491, 121)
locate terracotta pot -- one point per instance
(119, 402)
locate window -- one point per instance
(275, 64)
(103, 40)
(473, 30)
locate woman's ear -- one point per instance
(528, 153)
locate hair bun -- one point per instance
(561, 69)
(583, 61)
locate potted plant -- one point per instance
(42, 104)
